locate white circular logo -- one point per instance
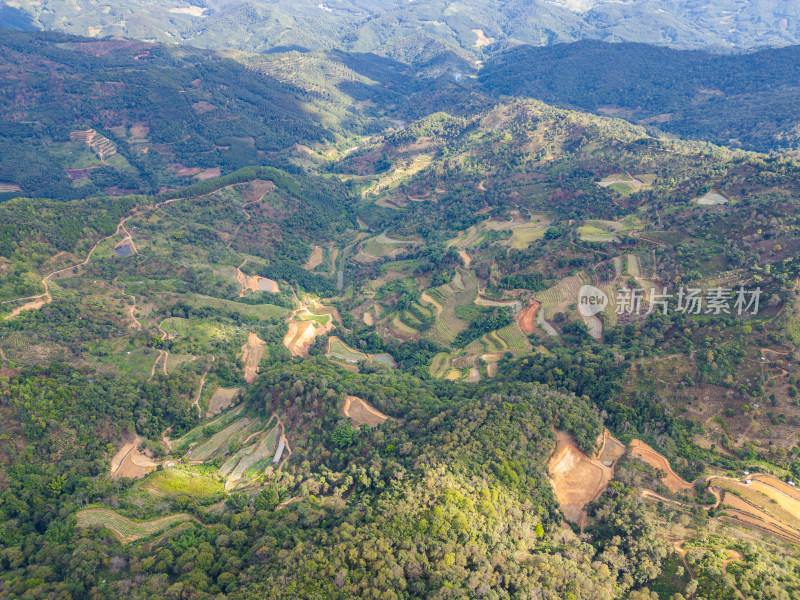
(591, 300)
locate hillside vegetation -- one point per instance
(360, 364)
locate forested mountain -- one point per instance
(339, 324)
(412, 30)
(743, 100)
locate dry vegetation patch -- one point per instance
(362, 413)
(221, 400)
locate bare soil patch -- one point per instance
(252, 352)
(644, 452)
(482, 39)
(130, 462)
(611, 451)
(527, 317)
(300, 336)
(362, 413)
(314, 260)
(576, 478)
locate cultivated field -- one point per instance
(126, 529)
(314, 260)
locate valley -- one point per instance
(325, 334)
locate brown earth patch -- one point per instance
(527, 318)
(362, 413)
(576, 478)
(611, 450)
(675, 483)
(314, 260)
(300, 336)
(208, 173)
(254, 283)
(252, 352)
(130, 462)
(202, 107)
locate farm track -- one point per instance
(41, 300)
(162, 354)
(202, 382)
(641, 450)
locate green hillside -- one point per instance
(399, 336)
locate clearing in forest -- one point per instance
(611, 450)
(644, 452)
(221, 400)
(362, 413)
(300, 336)
(254, 283)
(130, 462)
(314, 260)
(252, 352)
(625, 183)
(600, 231)
(125, 529)
(514, 305)
(712, 198)
(576, 478)
(482, 39)
(338, 349)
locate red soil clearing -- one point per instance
(129, 462)
(526, 318)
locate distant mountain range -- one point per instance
(412, 31)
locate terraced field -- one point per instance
(763, 500)
(126, 529)
(263, 450)
(383, 245)
(440, 365)
(600, 231)
(462, 291)
(199, 433)
(219, 441)
(559, 297)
